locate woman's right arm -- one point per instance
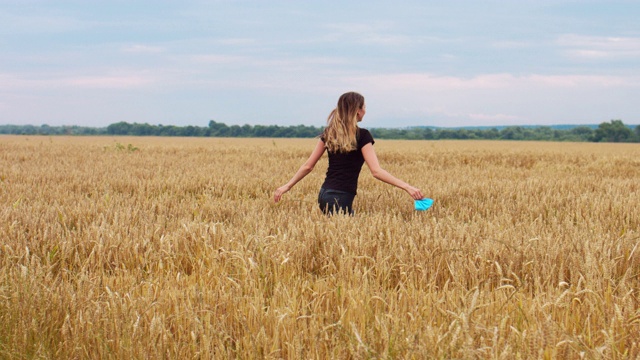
(381, 174)
(304, 170)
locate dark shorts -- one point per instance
(335, 200)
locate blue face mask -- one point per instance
(424, 204)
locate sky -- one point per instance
(417, 62)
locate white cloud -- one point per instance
(144, 49)
(37, 23)
(497, 99)
(493, 118)
(236, 41)
(217, 59)
(379, 33)
(433, 82)
(600, 47)
(109, 81)
(12, 82)
(511, 44)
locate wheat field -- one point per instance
(172, 248)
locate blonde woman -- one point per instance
(348, 146)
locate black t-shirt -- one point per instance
(344, 168)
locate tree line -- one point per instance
(613, 131)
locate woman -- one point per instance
(348, 147)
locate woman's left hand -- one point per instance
(415, 193)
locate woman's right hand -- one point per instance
(279, 192)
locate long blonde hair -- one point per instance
(341, 132)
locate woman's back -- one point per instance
(344, 168)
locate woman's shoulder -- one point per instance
(364, 137)
(364, 132)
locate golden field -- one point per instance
(172, 248)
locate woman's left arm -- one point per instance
(304, 170)
(381, 174)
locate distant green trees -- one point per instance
(613, 131)
(49, 130)
(297, 131)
